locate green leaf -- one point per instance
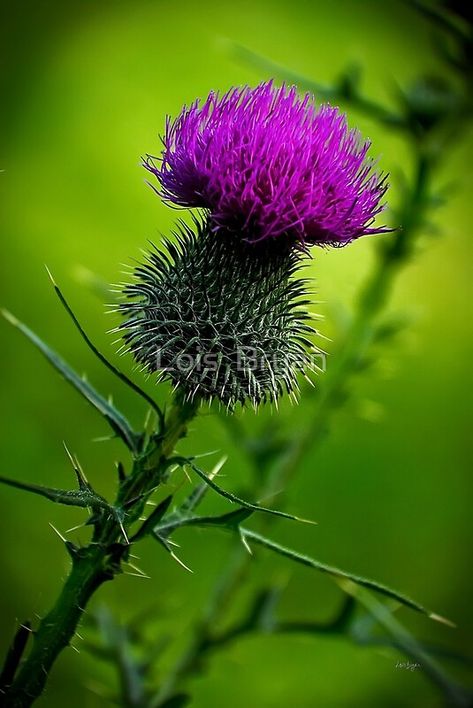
(151, 402)
(115, 419)
(84, 498)
(232, 520)
(183, 461)
(336, 572)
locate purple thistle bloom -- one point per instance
(266, 162)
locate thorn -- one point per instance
(309, 380)
(75, 648)
(82, 479)
(178, 560)
(122, 529)
(104, 438)
(11, 318)
(76, 528)
(301, 520)
(172, 543)
(50, 276)
(442, 620)
(138, 575)
(206, 454)
(58, 533)
(245, 543)
(138, 570)
(213, 473)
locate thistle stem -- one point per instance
(57, 629)
(97, 562)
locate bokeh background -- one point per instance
(86, 87)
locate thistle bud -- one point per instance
(219, 317)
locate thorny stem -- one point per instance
(391, 258)
(97, 562)
(89, 571)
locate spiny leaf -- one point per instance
(336, 572)
(82, 497)
(115, 419)
(232, 497)
(101, 357)
(153, 519)
(230, 521)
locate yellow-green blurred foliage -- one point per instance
(86, 89)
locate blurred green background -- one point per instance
(86, 88)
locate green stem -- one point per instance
(56, 630)
(97, 562)
(149, 469)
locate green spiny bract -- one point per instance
(219, 317)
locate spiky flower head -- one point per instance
(218, 312)
(220, 318)
(268, 164)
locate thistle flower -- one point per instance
(220, 314)
(219, 318)
(267, 164)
